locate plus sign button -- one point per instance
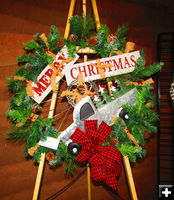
(166, 192)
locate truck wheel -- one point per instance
(74, 148)
(123, 115)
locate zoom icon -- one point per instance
(166, 192)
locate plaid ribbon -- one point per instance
(105, 161)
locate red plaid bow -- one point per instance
(105, 161)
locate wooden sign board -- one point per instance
(122, 64)
(43, 86)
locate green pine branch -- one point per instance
(52, 39)
(106, 97)
(121, 31)
(119, 133)
(33, 62)
(37, 154)
(82, 27)
(19, 133)
(14, 86)
(142, 71)
(31, 45)
(132, 152)
(18, 115)
(62, 155)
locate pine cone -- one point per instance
(92, 41)
(50, 156)
(60, 43)
(112, 38)
(73, 38)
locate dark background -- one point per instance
(19, 20)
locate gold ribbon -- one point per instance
(101, 68)
(130, 46)
(33, 149)
(76, 96)
(29, 89)
(49, 53)
(44, 38)
(57, 72)
(21, 78)
(148, 81)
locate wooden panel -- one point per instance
(165, 138)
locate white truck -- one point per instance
(85, 110)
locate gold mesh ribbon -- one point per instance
(44, 38)
(33, 149)
(101, 68)
(130, 46)
(29, 89)
(57, 72)
(49, 53)
(21, 78)
(75, 94)
(142, 82)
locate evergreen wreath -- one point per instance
(141, 117)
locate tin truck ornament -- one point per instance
(85, 110)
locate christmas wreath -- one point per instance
(132, 122)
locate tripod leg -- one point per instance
(95, 11)
(71, 10)
(42, 159)
(39, 177)
(130, 178)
